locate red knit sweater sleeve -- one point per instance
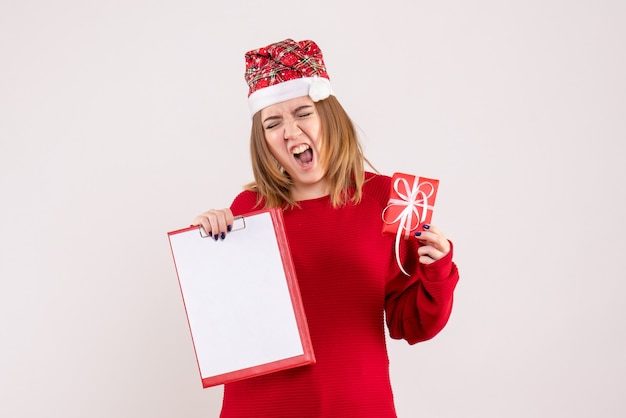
(418, 306)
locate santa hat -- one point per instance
(283, 71)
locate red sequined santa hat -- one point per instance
(285, 70)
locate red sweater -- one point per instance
(348, 279)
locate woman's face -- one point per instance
(293, 133)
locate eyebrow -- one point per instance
(297, 109)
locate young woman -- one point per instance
(307, 160)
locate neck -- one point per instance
(310, 191)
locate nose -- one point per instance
(292, 129)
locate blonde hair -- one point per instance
(341, 156)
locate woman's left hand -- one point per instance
(433, 244)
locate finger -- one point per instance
(204, 223)
(430, 238)
(428, 254)
(214, 219)
(433, 236)
(224, 223)
(216, 222)
(433, 229)
(209, 221)
(230, 219)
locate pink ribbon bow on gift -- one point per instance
(409, 218)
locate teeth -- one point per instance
(300, 149)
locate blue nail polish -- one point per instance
(229, 228)
(417, 234)
(426, 226)
(223, 235)
(216, 237)
(210, 233)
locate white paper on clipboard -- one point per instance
(241, 299)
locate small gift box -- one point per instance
(411, 203)
(410, 206)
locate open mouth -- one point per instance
(303, 154)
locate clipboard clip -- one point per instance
(239, 223)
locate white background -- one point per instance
(120, 121)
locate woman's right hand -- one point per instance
(216, 222)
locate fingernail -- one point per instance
(223, 235)
(229, 228)
(426, 226)
(210, 233)
(216, 237)
(417, 234)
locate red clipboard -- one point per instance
(242, 300)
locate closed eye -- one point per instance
(272, 122)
